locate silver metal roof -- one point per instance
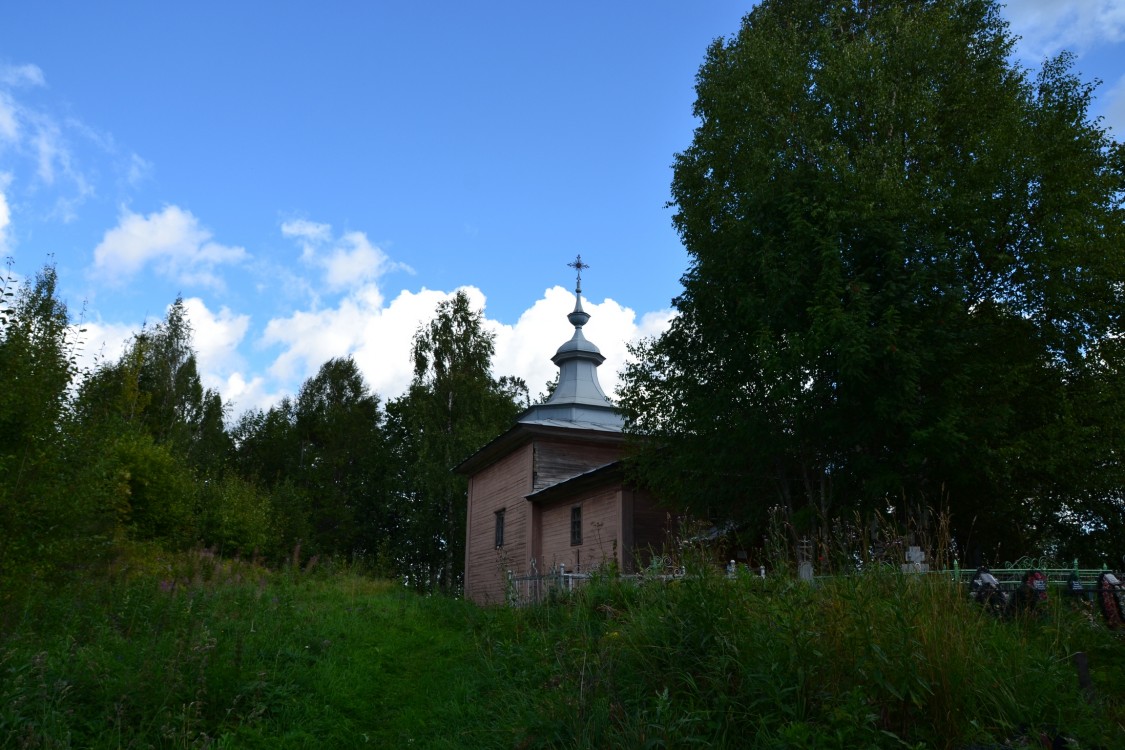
(578, 400)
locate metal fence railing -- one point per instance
(533, 586)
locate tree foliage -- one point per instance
(343, 456)
(453, 407)
(163, 432)
(55, 486)
(137, 451)
(905, 285)
(36, 365)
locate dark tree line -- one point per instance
(906, 284)
(138, 452)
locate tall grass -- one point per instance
(195, 651)
(874, 660)
(200, 652)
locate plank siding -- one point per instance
(601, 540)
(557, 460)
(502, 485)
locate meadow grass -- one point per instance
(874, 660)
(230, 655)
(194, 651)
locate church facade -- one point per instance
(551, 491)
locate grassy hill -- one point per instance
(200, 652)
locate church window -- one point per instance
(576, 525)
(500, 528)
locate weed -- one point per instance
(235, 656)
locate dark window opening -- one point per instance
(499, 528)
(576, 525)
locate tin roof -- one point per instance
(578, 399)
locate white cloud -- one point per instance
(310, 231)
(1050, 26)
(379, 337)
(348, 262)
(22, 75)
(43, 150)
(241, 395)
(216, 341)
(353, 261)
(48, 151)
(216, 337)
(525, 349)
(172, 240)
(5, 213)
(99, 342)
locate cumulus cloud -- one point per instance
(171, 240)
(525, 349)
(242, 395)
(347, 262)
(1050, 26)
(216, 338)
(378, 336)
(99, 342)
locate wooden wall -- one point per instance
(615, 520)
(557, 460)
(504, 484)
(601, 532)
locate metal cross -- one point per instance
(578, 265)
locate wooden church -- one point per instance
(551, 490)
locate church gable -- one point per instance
(559, 460)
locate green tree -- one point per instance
(238, 516)
(343, 460)
(324, 459)
(453, 407)
(266, 445)
(178, 409)
(268, 454)
(55, 488)
(905, 283)
(36, 368)
(164, 435)
(155, 386)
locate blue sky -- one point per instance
(314, 180)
